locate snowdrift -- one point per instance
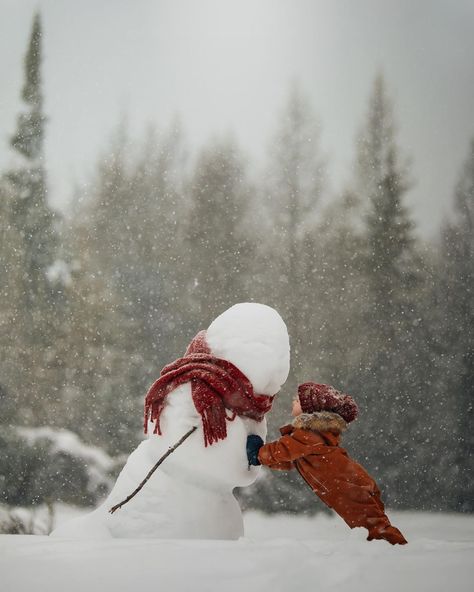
(278, 553)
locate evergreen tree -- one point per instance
(103, 384)
(382, 184)
(158, 220)
(392, 377)
(30, 213)
(217, 236)
(103, 387)
(11, 321)
(126, 313)
(340, 292)
(288, 270)
(456, 339)
(293, 191)
(31, 257)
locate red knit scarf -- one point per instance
(216, 385)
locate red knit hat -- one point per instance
(315, 397)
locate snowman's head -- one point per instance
(255, 339)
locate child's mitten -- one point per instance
(254, 443)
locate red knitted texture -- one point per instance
(323, 397)
(216, 385)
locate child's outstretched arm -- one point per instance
(280, 454)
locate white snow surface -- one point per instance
(190, 495)
(279, 553)
(97, 462)
(59, 271)
(69, 442)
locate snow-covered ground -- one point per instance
(278, 553)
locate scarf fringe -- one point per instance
(152, 413)
(214, 425)
(213, 422)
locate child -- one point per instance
(311, 445)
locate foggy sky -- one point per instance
(227, 65)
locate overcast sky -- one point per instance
(227, 65)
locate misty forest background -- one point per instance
(160, 241)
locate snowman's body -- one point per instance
(191, 494)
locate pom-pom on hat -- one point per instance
(315, 397)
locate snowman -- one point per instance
(223, 387)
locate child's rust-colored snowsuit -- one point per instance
(311, 445)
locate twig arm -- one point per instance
(153, 469)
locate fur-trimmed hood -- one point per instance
(321, 421)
